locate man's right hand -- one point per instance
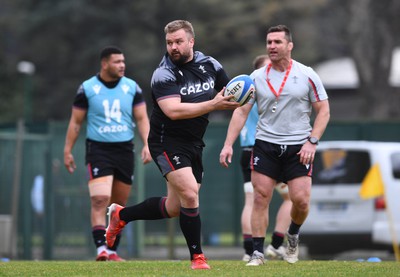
(69, 162)
(222, 102)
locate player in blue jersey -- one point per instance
(247, 140)
(184, 90)
(286, 94)
(109, 101)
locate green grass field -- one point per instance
(181, 268)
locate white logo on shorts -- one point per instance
(255, 160)
(95, 171)
(176, 159)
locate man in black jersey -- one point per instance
(183, 93)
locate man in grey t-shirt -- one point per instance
(286, 93)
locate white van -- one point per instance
(339, 219)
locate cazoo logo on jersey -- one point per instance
(196, 88)
(113, 129)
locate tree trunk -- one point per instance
(372, 43)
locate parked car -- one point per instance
(339, 219)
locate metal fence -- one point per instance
(44, 210)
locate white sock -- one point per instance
(101, 249)
(109, 251)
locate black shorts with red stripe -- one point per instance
(173, 156)
(110, 158)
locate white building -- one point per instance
(342, 74)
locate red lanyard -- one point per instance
(277, 94)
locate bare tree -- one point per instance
(372, 29)
(62, 38)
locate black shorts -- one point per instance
(110, 158)
(279, 162)
(245, 160)
(170, 157)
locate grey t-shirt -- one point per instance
(290, 123)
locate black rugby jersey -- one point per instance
(194, 82)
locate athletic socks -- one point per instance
(154, 208)
(294, 228)
(248, 244)
(190, 224)
(101, 249)
(277, 239)
(258, 244)
(99, 235)
(151, 209)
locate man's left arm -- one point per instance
(307, 152)
(322, 112)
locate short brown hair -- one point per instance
(281, 28)
(176, 25)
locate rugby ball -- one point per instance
(241, 87)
